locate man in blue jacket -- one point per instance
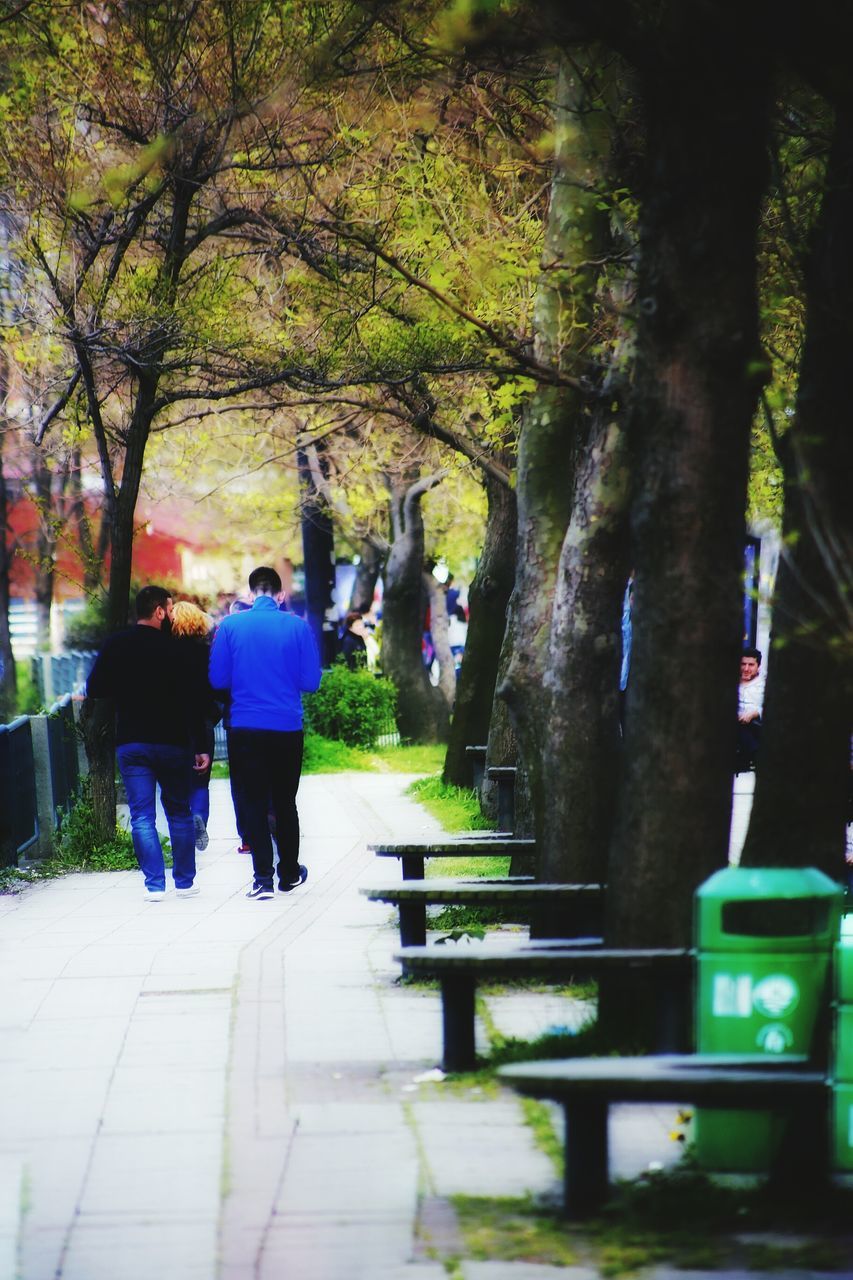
(266, 659)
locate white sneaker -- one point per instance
(189, 892)
(155, 895)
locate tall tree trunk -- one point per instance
(439, 632)
(554, 421)
(699, 368)
(318, 550)
(488, 597)
(367, 574)
(45, 551)
(581, 752)
(422, 713)
(8, 682)
(803, 774)
(121, 533)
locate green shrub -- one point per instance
(88, 628)
(354, 707)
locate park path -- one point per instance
(218, 1089)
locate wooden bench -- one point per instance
(459, 968)
(575, 903)
(586, 1087)
(480, 845)
(504, 776)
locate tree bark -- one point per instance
(318, 550)
(8, 684)
(554, 422)
(698, 374)
(581, 757)
(488, 597)
(803, 774)
(97, 726)
(422, 713)
(367, 574)
(438, 626)
(45, 551)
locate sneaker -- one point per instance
(286, 885)
(243, 848)
(260, 891)
(155, 895)
(202, 839)
(190, 891)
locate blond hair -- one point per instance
(189, 620)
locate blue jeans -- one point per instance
(142, 765)
(200, 802)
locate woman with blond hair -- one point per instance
(194, 628)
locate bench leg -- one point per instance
(506, 805)
(457, 1011)
(413, 866)
(673, 1015)
(586, 1182)
(413, 924)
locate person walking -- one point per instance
(265, 659)
(159, 703)
(193, 629)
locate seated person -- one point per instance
(750, 703)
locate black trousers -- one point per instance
(267, 765)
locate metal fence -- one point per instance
(55, 674)
(19, 825)
(40, 775)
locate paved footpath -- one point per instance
(218, 1089)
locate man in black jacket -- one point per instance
(159, 735)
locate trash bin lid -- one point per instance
(768, 909)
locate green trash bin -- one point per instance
(764, 939)
(841, 1065)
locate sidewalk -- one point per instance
(218, 1089)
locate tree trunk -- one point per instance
(422, 714)
(554, 421)
(803, 775)
(441, 639)
(698, 375)
(488, 598)
(97, 726)
(367, 574)
(318, 550)
(8, 682)
(45, 551)
(580, 762)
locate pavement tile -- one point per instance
(153, 1174)
(167, 1251)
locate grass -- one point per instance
(677, 1217)
(457, 808)
(327, 755)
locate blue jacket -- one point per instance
(265, 659)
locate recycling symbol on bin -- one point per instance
(775, 1037)
(775, 996)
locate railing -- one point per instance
(19, 825)
(56, 674)
(40, 772)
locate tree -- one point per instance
(801, 799)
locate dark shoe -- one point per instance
(287, 885)
(260, 891)
(202, 839)
(243, 848)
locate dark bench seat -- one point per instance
(586, 1086)
(521, 892)
(459, 968)
(482, 845)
